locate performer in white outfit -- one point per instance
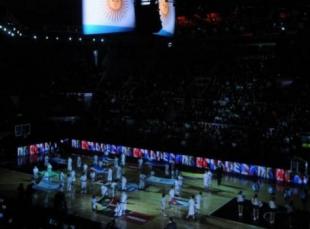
(177, 187)
(100, 163)
(92, 176)
(69, 164)
(180, 179)
(115, 161)
(61, 181)
(46, 160)
(163, 204)
(256, 204)
(198, 202)
(142, 181)
(140, 163)
(79, 162)
(94, 203)
(104, 190)
(124, 202)
(35, 172)
(85, 168)
(83, 180)
(113, 189)
(240, 202)
(124, 183)
(171, 195)
(110, 175)
(273, 208)
(118, 210)
(123, 159)
(69, 182)
(207, 179)
(49, 168)
(73, 176)
(191, 208)
(118, 172)
(95, 160)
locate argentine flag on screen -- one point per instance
(167, 17)
(108, 16)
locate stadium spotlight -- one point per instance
(102, 40)
(35, 37)
(14, 29)
(20, 34)
(283, 28)
(94, 39)
(57, 38)
(70, 38)
(0, 26)
(80, 38)
(46, 38)
(4, 29)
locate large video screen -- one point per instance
(167, 17)
(108, 16)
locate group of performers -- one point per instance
(108, 189)
(113, 170)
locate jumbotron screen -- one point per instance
(167, 17)
(108, 16)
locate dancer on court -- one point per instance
(69, 182)
(124, 198)
(83, 180)
(118, 172)
(103, 190)
(35, 172)
(191, 208)
(113, 189)
(240, 203)
(273, 208)
(171, 196)
(124, 183)
(142, 181)
(115, 161)
(256, 204)
(85, 168)
(123, 159)
(140, 163)
(79, 162)
(110, 176)
(92, 176)
(198, 202)
(163, 204)
(69, 164)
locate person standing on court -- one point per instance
(240, 203)
(273, 208)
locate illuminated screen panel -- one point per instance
(108, 16)
(167, 17)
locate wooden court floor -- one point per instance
(148, 201)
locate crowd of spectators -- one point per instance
(246, 104)
(255, 18)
